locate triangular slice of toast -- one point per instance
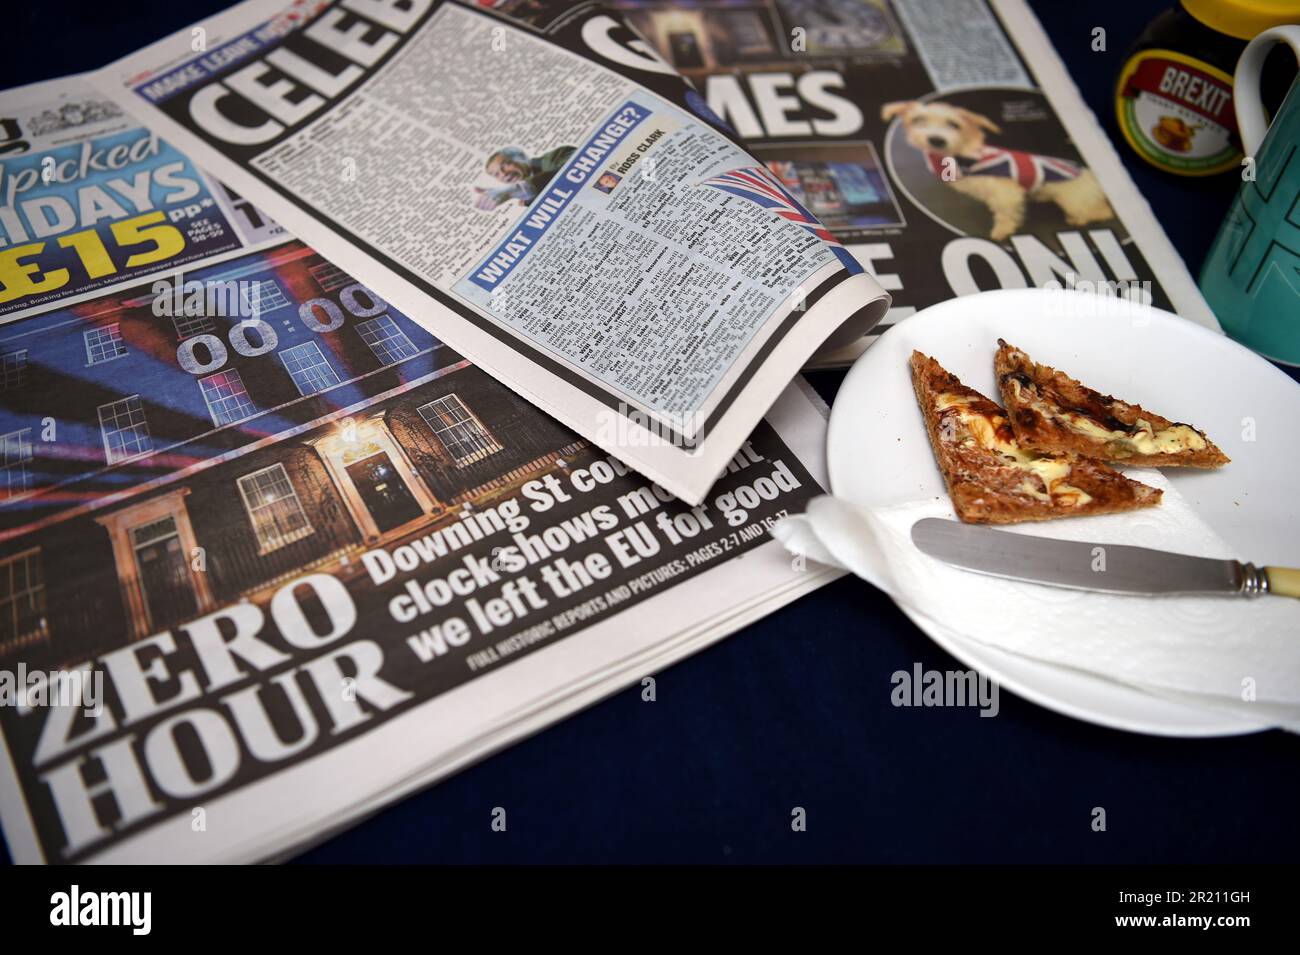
(991, 478)
(1050, 411)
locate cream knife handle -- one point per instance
(1283, 581)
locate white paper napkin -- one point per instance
(1231, 653)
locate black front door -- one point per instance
(386, 495)
(165, 574)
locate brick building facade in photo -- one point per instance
(160, 466)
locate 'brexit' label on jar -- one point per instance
(1176, 112)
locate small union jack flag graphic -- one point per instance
(1029, 169)
(758, 185)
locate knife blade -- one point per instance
(1083, 565)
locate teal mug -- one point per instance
(1251, 276)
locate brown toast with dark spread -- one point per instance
(991, 478)
(1050, 411)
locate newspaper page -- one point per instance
(270, 553)
(545, 195)
(940, 140)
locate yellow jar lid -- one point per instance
(1243, 19)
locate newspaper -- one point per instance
(270, 553)
(555, 203)
(273, 551)
(940, 140)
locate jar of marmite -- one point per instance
(1174, 96)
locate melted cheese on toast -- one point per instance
(993, 433)
(1144, 440)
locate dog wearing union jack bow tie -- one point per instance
(953, 142)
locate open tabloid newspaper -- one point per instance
(940, 140)
(559, 206)
(271, 554)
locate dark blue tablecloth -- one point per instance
(795, 711)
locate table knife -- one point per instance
(1105, 568)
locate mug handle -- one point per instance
(1251, 120)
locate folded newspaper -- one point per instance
(561, 207)
(382, 381)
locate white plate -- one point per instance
(879, 454)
